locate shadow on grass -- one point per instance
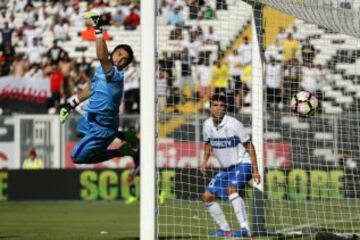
(9, 236)
(160, 238)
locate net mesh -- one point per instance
(311, 177)
(338, 15)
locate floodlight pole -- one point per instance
(147, 121)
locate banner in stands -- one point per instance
(187, 155)
(291, 184)
(7, 153)
(89, 185)
(25, 94)
(277, 155)
(182, 183)
(7, 144)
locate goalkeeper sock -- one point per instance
(239, 209)
(218, 215)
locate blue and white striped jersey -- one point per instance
(227, 140)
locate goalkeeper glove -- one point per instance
(94, 18)
(66, 109)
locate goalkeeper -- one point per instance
(98, 126)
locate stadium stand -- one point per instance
(204, 31)
(29, 29)
(337, 65)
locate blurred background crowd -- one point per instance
(36, 36)
(50, 40)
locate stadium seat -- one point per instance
(346, 100)
(333, 110)
(326, 104)
(351, 89)
(324, 136)
(301, 125)
(333, 94)
(357, 95)
(289, 119)
(327, 154)
(326, 88)
(342, 83)
(246, 110)
(272, 136)
(74, 54)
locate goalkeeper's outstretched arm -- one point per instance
(84, 94)
(102, 52)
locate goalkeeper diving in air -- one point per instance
(99, 124)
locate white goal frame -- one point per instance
(147, 121)
(148, 117)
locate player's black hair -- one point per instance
(219, 97)
(128, 49)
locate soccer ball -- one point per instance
(304, 103)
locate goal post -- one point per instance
(147, 122)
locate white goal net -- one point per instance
(309, 165)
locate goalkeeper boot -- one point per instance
(162, 197)
(131, 200)
(222, 233)
(130, 136)
(126, 150)
(243, 232)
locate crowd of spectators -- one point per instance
(288, 68)
(24, 51)
(24, 25)
(190, 73)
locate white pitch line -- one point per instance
(316, 224)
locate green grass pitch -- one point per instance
(178, 219)
(68, 220)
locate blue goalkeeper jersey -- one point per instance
(105, 97)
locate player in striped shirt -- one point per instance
(225, 136)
